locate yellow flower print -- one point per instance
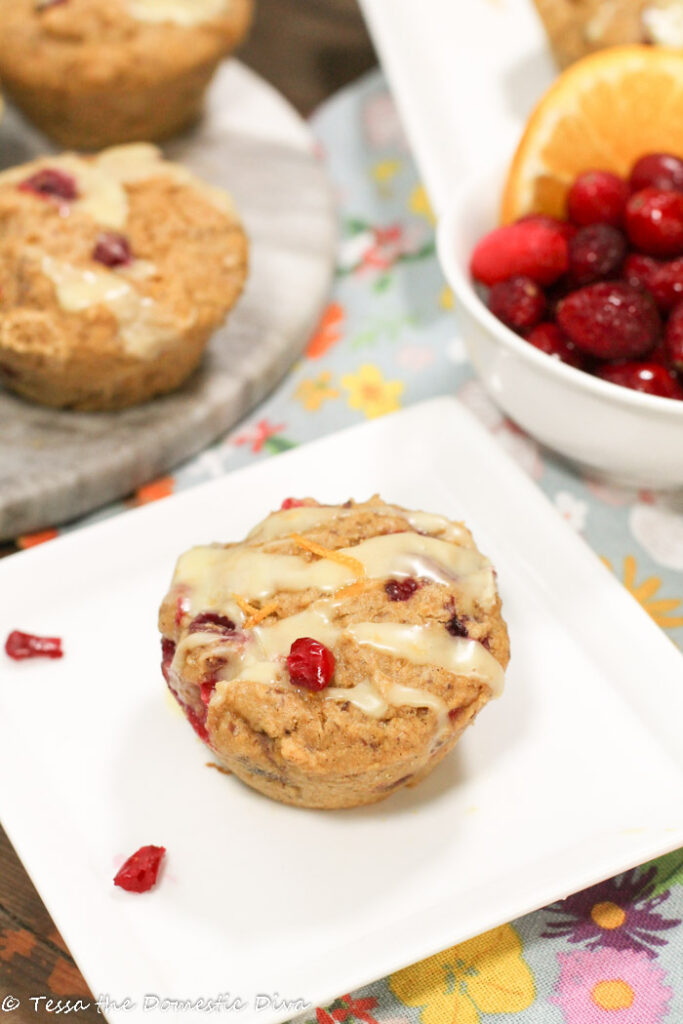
(645, 593)
(446, 298)
(371, 393)
(316, 390)
(483, 975)
(384, 173)
(419, 204)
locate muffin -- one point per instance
(94, 73)
(578, 27)
(338, 652)
(114, 272)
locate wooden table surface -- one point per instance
(307, 49)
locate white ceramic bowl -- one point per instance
(611, 432)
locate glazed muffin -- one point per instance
(578, 27)
(94, 73)
(114, 272)
(337, 653)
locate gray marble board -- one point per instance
(56, 465)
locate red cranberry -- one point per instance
(518, 302)
(639, 270)
(597, 197)
(528, 248)
(456, 627)
(292, 503)
(211, 622)
(310, 664)
(566, 227)
(654, 221)
(666, 284)
(673, 338)
(549, 339)
(610, 320)
(167, 653)
(113, 250)
(140, 872)
(596, 252)
(206, 690)
(657, 170)
(401, 590)
(51, 183)
(20, 646)
(651, 378)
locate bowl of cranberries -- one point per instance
(575, 325)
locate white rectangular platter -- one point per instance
(570, 777)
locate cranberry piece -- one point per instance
(657, 170)
(567, 229)
(549, 339)
(167, 653)
(20, 646)
(651, 378)
(596, 252)
(597, 197)
(654, 221)
(673, 338)
(206, 690)
(401, 590)
(639, 270)
(528, 248)
(141, 870)
(456, 627)
(666, 284)
(292, 503)
(610, 320)
(518, 302)
(310, 664)
(51, 183)
(210, 622)
(113, 250)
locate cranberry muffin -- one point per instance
(338, 652)
(114, 272)
(94, 73)
(578, 27)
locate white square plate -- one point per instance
(569, 778)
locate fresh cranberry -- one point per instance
(596, 252)
(206, 690)
(51, 183)
(597, 197)
(639, 270)
(657, 170)
(654, 221)
(310, 664)
(401, 590)
(518, 302)
(673, 338)
(651, 378)
(20, 646)
(526, 248)
(113, 250)
(666, 284)
(610, 320)
(549, 339)
(456, 627)
(292, 503)
(567, 229)
(167, 653)
(211, 622)
(140, 872)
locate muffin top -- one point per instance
(104, 38)
(403, 601)
(121, 252)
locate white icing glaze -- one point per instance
(180, 12)
(144, 327)
(307, 517)
(365, 696)
(663, 22)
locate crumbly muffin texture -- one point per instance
(93, 73)
(579, 27)
(404, 603)
(114, 272)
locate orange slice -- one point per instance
(602, 113)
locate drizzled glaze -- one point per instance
(179, 12)
(211, 575)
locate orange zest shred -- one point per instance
(261, 614)
(333, 556)
(354, 589)
(244, 606)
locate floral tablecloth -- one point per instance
(612, 954)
